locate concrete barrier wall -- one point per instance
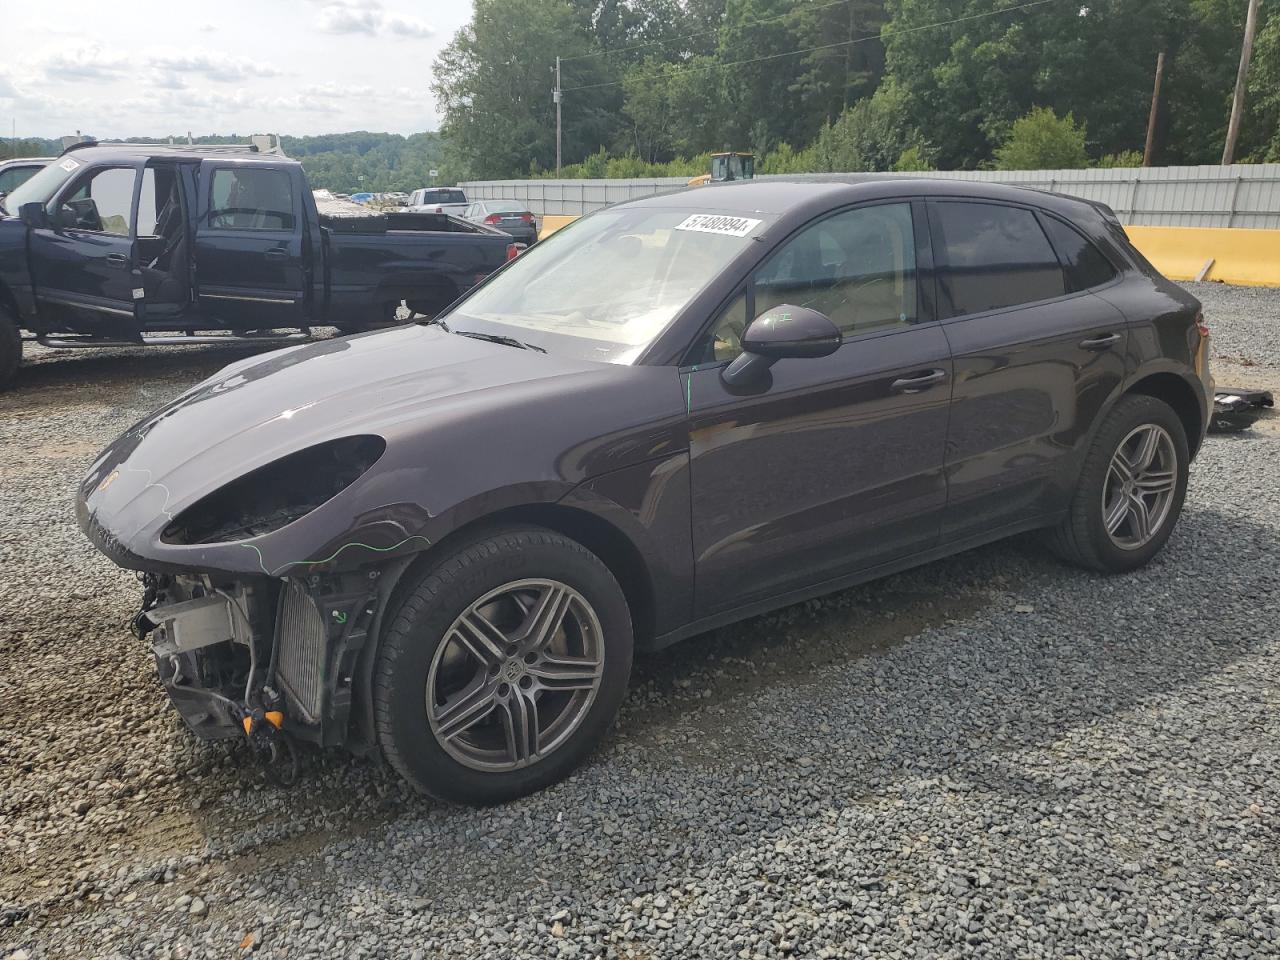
(1247, 257)
(1241, 195)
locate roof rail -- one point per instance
(259, 143)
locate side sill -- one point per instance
(824, 587)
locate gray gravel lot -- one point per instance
(993, 755)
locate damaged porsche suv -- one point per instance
(442, 543)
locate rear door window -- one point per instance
(1086, 265)
(992, 256)
(251, 199)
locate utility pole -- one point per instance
(1149, 149)
(1237, 102)
(556, 96)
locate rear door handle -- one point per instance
(920, 381)
(1105, 342)
(277, 253)
(117, 260)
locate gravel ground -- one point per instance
(993, 755)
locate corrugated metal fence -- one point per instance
(1240, 195)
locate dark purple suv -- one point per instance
(443, 542)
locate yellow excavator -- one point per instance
(726, 167)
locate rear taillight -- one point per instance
(512, 251)
(1200, 324)
(493, 218)
(527, 217)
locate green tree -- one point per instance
(1261, 133)
(1125, 158)
(870, 136)
(968, 81)
(493, 83)
(1043, 141)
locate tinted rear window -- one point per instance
(445, 196)
(503, 206)
(993, 256)
(1087, 266)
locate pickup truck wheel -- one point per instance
(503, 666)
(10, 349)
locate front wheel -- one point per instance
(503, 667)
(1131, 488)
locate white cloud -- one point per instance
(410, 28)
(368, 17)
(87, 62)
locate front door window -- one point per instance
(102, 202)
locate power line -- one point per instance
(802, 8)
(829, 46)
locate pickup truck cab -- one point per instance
(450, 200)
(111, 244)
(14, 173)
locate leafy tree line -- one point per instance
(342, 162)
(651, 86)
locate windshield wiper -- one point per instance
(496, 338)
(436, 322)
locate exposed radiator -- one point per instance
(300, 667)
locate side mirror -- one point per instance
(33, 214)
(781, 332)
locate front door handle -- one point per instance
(277, 253)
(1105, 342)
(918, 382)
(117, 260)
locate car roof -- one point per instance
(809, 195)
(27, 161)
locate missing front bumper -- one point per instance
(224, 651)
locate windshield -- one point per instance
(503, 206)
(445, 196)
(606, 286)
(43, 185)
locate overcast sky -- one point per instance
(143, 68)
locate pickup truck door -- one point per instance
(84, 264)
(251, 268)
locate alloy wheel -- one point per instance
(515, 675)
(1139, 490)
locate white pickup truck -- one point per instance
(449, 200)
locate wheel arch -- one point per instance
(1174, 390)
(615, 549)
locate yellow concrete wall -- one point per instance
(551, 223)
(1250, 257)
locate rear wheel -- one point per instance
(1131, 488)
(10, 349)
(503, 667)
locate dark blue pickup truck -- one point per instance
(120, 244)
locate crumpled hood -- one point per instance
(399, 384)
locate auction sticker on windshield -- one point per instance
(715, 223)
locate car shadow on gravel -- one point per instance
(106, 369)
(951, 670)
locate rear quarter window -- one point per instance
(992, 256)
(1086, 265)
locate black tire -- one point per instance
(419, 627)
(10, 349)
(1082, 537)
